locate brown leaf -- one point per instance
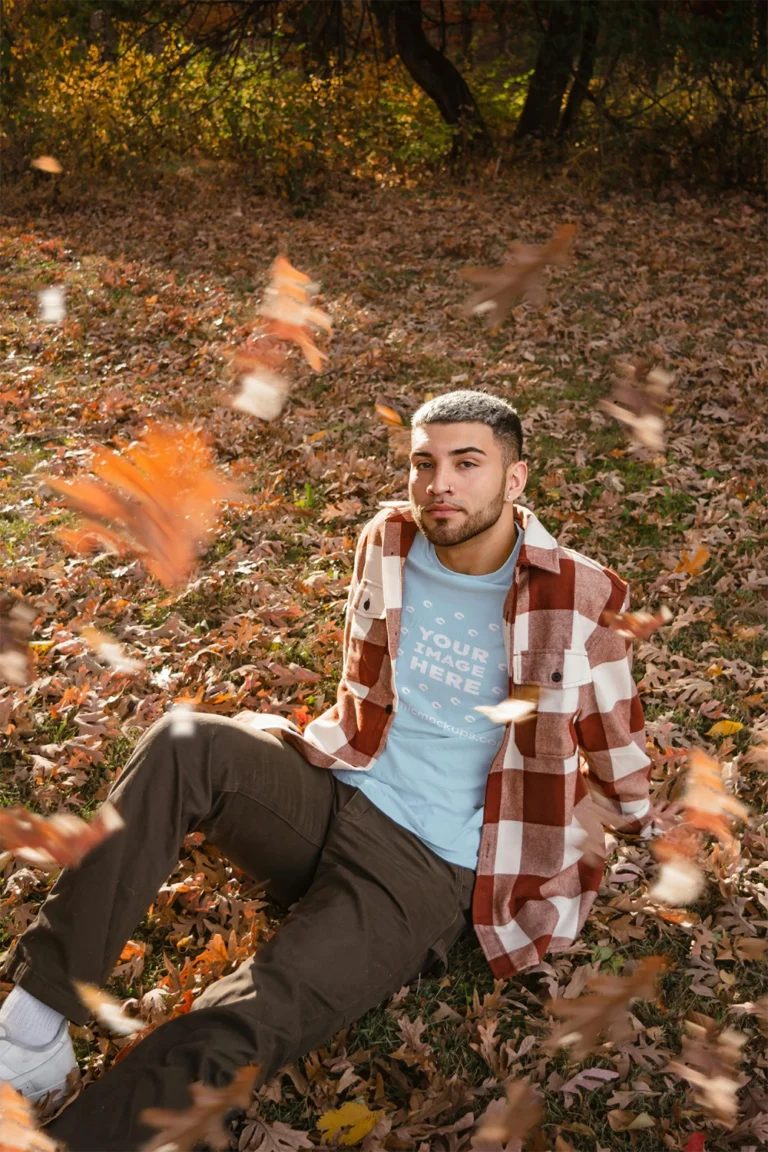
(637, 402)
(107, 1010)
(164, 501)
(18, 1130)
(520, 278)
(708, 1062)
(504, 1121)
(606, 1011)
(17, 662)
(202, 1122)
(636, 625)
(55, 841)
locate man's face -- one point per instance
(457, 481)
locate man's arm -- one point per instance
(611, 730)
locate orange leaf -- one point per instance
(164, 503)
(695, 564)
(18, 1130)
(55, 841)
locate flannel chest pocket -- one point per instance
(554, 677)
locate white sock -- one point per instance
(29, 1022)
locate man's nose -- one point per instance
(438, 483)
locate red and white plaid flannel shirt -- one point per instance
(534, 888)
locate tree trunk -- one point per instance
(541, 111)
(436, 75)
(383, 15)
(584, 71)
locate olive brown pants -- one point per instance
(371, 908)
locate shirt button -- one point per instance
(388, 708)
(557, 677)
(367, 605)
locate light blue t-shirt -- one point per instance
(432, 772)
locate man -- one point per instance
(401, 815)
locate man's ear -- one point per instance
(517, 477)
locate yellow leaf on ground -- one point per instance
(353, 1120)
(725, 728)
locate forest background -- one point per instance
(382, 146)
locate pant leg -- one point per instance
(380, 909)
(255, 797)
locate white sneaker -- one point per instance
(34, 1072)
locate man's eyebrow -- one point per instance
(453, 452)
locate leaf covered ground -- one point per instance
(157, 289)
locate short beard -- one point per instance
(446, 535)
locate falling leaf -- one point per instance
(398, 431)
(180, 1130)
(262, 394)
(55, 841)
(510, 1119)
(511, 711)
(162, 503)
(637, 402)
(636, 625)
(348, 1124)
(47, 164)
(709, 1060)
(52, 307)
(605, 1011)
(107, 1010)
(520, 278)
(108, 649)
(16, 659)
(679, 882)
(183, 720)
(289, 313)
(707, 806)
(18, 1130)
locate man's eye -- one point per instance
(470, 462)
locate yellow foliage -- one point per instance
(354, 1120)
(725, 728)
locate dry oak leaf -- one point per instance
(520, 278)
(259, 1136)
(348, 1124)
(203, 1121)
(637, 402)
(508, 1120)
(606, 1011)
(16, 659)
(18, 1129)
(59, 841)
(635, 625)
(162, 503)
(107, 1010)
(708, 1062)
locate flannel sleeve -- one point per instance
(610, 729)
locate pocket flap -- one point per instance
(369, 601)
(551, 668)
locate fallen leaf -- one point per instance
(108, 649)
(16, 659)
(348, 1124)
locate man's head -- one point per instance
(466, 469)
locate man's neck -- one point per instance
(479, 556)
